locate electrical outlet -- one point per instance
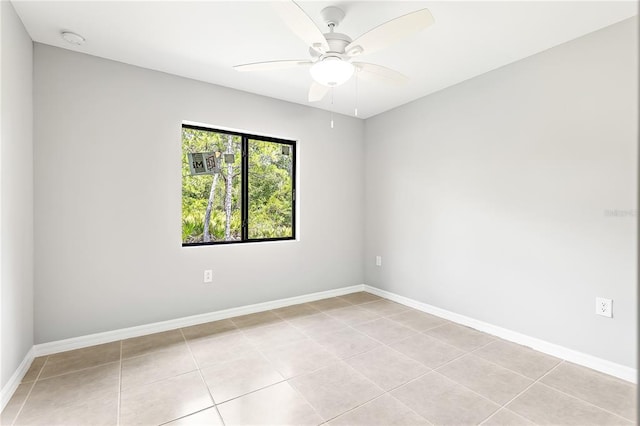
(378, 260)
(208, 275)
(604, 307)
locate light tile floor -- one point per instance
(349, 360)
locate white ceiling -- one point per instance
(203, 40)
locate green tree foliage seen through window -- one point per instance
(270, 189)
(212, 204)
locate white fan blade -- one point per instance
(317, 91)
(271, 65)
(300, 23)
(379, 74)
(390, 32)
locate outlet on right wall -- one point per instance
(510, 198)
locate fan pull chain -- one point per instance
(332, 107)
(356, 110)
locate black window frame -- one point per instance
(244, 185)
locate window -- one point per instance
(236, 187)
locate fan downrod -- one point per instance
(332, 16)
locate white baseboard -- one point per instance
(125, 333)
(157, 327)
(617, 370)
(608, 367)
(9, 389)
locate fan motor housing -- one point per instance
(337, 42)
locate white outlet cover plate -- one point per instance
(604, 307)
(208, 276)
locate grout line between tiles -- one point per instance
(471, 390)
(157, 380)
(226, 362)
(330, 332)
(250, 392)
(184, 417)
(282, 320)
(383, 344)
(285, 319)
(119, 387)
(308, 336)
(285, 380)
(353, 327)
(458, 357)
(585, 401)
(299, 374)
(361, 404)
(356, 407)
(538, 380)
(386, 392)
(502, 366)
(325, 421)
(409, 408)
(509, 401)
(534, 381)
(295, 389)
(204, 382)
(503, 409)
(79, 370)
(522, 392)
(493, 339)
(33, 385)
(378, 347)
(434, 370)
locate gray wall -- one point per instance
(108, 199)
(16, 193)
(488, 198)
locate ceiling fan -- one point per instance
(332, 53)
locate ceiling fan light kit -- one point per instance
(332, 52)
(332, 71)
